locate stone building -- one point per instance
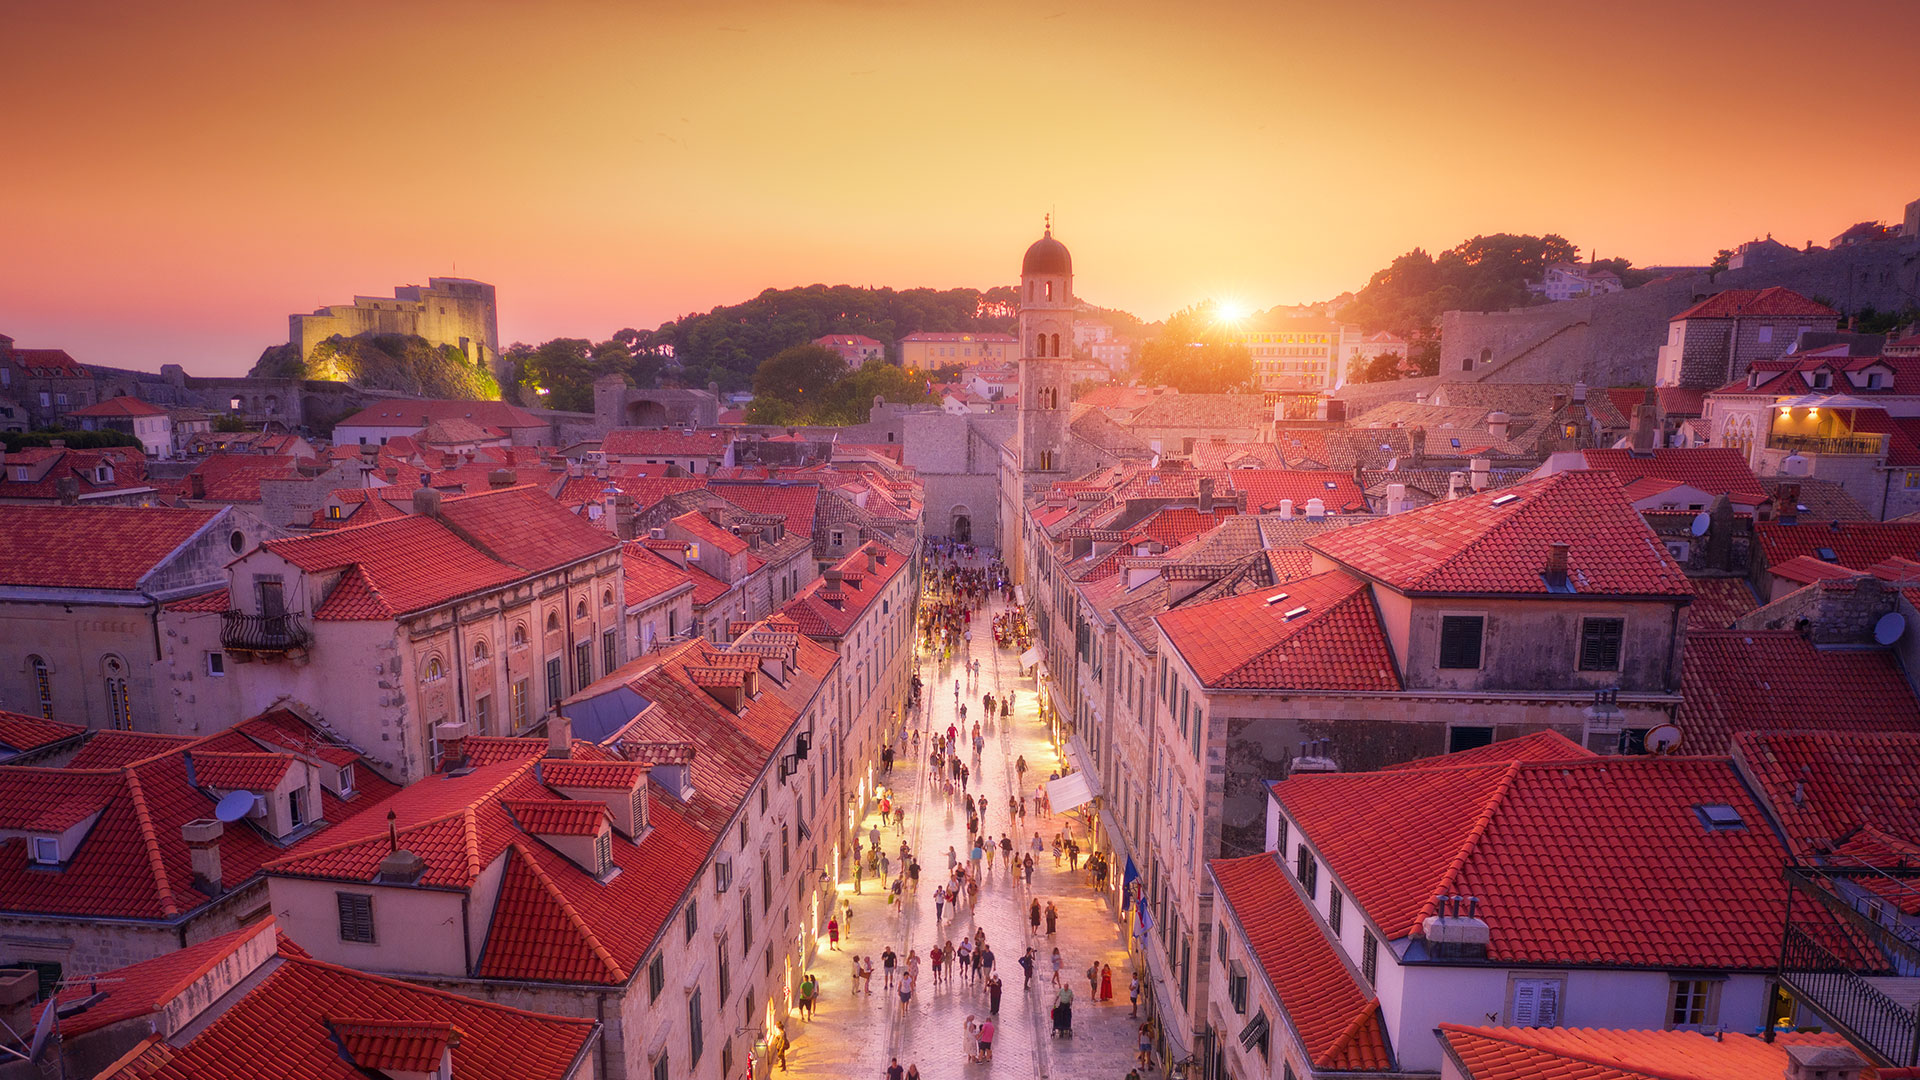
(1719, 338)
(617, 405)
(1037, 455)
(445, 311)
(47, 382)
(148, 423)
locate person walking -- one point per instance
(1026, 865)
(1053, 916)
(939, 903)
(970, 1038)
(1026, 966)
(858, 871)
(986, 1039)
(1093, 981)
(1020, 769)
(807, 988)
(1033, 915)
(894, 1071)
(913, 1072)
(1133, 994)
(887, 962)
(846, 918)
(906, 990)
(833, 933)
(1146, 1043)
(1057, 964)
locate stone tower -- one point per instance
(1046, 349)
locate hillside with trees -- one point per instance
(1195, 352)
(811, 384)
(400, 362)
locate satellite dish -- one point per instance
(1701, 523)
(234, 805)
(1889, 628)
(1663, 739)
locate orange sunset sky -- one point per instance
(181, 176)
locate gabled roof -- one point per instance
(313, 1020)
(821, 611)
(1336, 1017)
(1719, 601)
(1539, 746)
(1557, 1053)
(1713, 470)
(20, 733)
(794, 502)
(1497, 542)
(48, 363)
(120, 406)
(1776, 680)
(666, 442)
(1824, 786)
(91, 547)
(1314, 633)
(149, 986)
(1774, 302)
(1601, 861)
(707, 532)
(236, 477)
(1856, 545)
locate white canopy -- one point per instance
(1069, 791)
(1030, 657)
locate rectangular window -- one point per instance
(1460, 640)
(693, 919)
(656, 977)
(517, 694)
(1305, 869)
(1334, 904)
(1369, 956)
(556, 685)
(1535, 1003)
(483, 713)
(1694, 1003)
(356, 917)
(609, 651)
(582, 664)
(726, 974)
(217, 663)
(1600, 644)
(1464, 737)
(661, 1069)
(746, 919)
(696, 1036)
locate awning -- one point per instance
(1030, 657)
(1830, 401)
(1069, 791)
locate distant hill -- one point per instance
(398, 362)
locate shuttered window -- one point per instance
(356, 917)
(1536, 1003)
(1369, 955)
(1460, 640)
(1600, 644)
(1305, 869)
(1333, 910)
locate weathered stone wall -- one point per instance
(1838, 612)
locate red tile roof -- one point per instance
(558, 817)
(112, 749)
(818, 618)
(236, 477)
(1556, 1053)
(20, 733)
(1719, 601)
(1497, 542)
(48, 363)
(1806, 570)
(524, 527)
(213, 600)
(409, 1046)
(706, 532)
(149, 986)
(91, 547)
(1266, 487)
(1255, 641)
(1713, 470)
(1856, 545)
(1776, 680)
(567, 773)
(794, 502)
(239, 771)
(1775, 302)
(1539, 746)
(1335, 1015)
(666, 442)
(289, 1025)
(1823, 786)
(120, 406)
(649, 576)
(1603, 861)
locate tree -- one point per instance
(1195, 353)
(1721, 260)
(799, 375)
(1381, 368)
(558, 374)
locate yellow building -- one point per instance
(1294, 354)
(930, 350)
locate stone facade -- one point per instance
(616, 405)
(445, 311)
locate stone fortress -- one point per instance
(445, 311)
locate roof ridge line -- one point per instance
(1575, 1053)
(1369, 1009)
(1472, 841)
(1474, 544)
(151, 841)
(402, 984)
(572, 913)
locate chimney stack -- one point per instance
(1396, 498)
(1645, 430)
(1556, 569)
(19, 990)
(1579, 393)
(1286, 509)
(1206, 495)
(426, 501)
(625, 524)
(1316, 509)
(870, 563)
(1481, 470)
(1456, 484)
(453, 746)
(69, 489)
(1786, 503)
(1497, 424)
(501, 478)
(1417, 448)
(196, 486)
(559, 736)
(203, 849)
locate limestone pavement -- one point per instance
(854, 1034)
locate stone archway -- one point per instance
(646, 414)
(962, 531)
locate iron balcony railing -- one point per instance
(1827, 444)
(1842, 964)
(265, 633)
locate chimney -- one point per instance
(203, 848)
(1417, 448)
(1396, 498)
(1206, 495)
(1559, 402)
(196, 486)
(501, 478)
(19, 990)
(1286, 509)
(401, 867)
(870, 560)
(624, 523)
(69, 489)
(1456, 931)
(426, 501)
(1497, 424)
(453, 746)
(1316, 509)
(1720, 533)
(559, 736)
(1816, 1062)
(1579, 393)
(1556, 569)
(1786, 503)
(1480, 469)
(1645, 430)
(1456, 484)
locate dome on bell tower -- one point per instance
(1047, 256)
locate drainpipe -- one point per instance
(460, 669)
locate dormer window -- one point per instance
(1873, 380)
(346, 780)
(1822, 380)
(603, 854)
(103, 474)
(46, 851)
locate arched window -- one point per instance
(119, 706)
(42, 684)
(1029, 290)
(519, 635)
(1056, 344)
(580, 610)
(480, 651)
(1049, 290)
(553, 621)
(606, 597)
(435, 671)
(1040, 345)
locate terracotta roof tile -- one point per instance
(394, 1044)
(1336, 1016)
(1713, 470)
(1317, 632)
(1823, 786)
(1556, 1053)
(1719, 601)
(558, 817)
(145, 988)
(1856, 545)
(1776, 680)
(1539, 746)
(91, 547)
(239, 771)
(1498, 542)
(665, 442)
(1604, 861)
(20, 733)
(120, 406)
(1758, 303)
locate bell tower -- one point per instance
(1046, 350)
